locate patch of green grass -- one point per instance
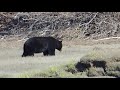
(54, 72)
(63, 71)
(51, 72)
(26, 74)
(5, 76)
(70, 68)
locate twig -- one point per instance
(89, 21)
(108, 38)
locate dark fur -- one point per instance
(47, 45)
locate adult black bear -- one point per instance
(47, 45)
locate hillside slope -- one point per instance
(65, 25)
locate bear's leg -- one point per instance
(45, 53)
(51, 52)
(24, 55)
(28, 51)
(31, 53)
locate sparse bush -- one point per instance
(100, 63)
(50, 73)
(70, 68)
(95, 58)
(115, 66)
(58, 72)
(93, 71)
(114, 73)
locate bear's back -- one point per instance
(41, 39)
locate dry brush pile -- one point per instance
(60, 24)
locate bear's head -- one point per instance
(59, 45)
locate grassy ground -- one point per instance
(13, 65)
(11, 62)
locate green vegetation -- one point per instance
(100, 63)
(70, 68)
(63, 71)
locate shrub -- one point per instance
(70, 68)
(95, 72)
(100, 63)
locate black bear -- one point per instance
(47, 45)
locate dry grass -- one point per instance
(93, 71)
(115, 66)
(61, 71)
(101, 62)
(13, 65)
